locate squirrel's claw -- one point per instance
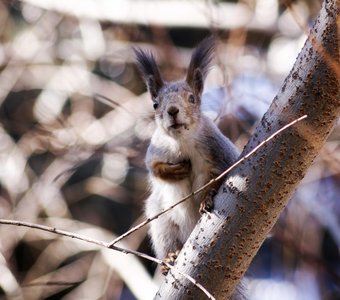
(208, 203)
(170, 259)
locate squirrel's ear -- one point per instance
(153, 86)
(200, 64)
(197, 82)
(149, 70)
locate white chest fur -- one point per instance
(164, 194)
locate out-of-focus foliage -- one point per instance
(75, 123)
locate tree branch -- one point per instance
(106, 245)
(222, 245)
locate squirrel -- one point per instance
(186, 150)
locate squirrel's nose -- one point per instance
(173, 111)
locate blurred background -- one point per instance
(75, 122)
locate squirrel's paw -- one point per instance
(208, 202)
(170, 259)
(168, 171)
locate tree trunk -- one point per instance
(248, 204)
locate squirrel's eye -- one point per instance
(155, 105)
(191, 99)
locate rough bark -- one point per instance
(223, 243)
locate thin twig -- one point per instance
(148, 220)
(106, 245)
(111, 102)
(51, 283)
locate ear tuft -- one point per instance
(200, 64)
(149, 70)
(198, 82)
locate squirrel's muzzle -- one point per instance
(173, 111)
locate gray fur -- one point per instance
(182, 134)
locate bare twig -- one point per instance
(110, 102)
(104, 244)
(145, 222)
(50, 283)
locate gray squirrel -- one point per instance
(186, 150)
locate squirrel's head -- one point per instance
(177, 104)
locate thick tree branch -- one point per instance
(247, 206)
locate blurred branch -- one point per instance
(110, 102)
(313, 39)
(162, 13)
(8, 282)
(290, 241)
(14, 68)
